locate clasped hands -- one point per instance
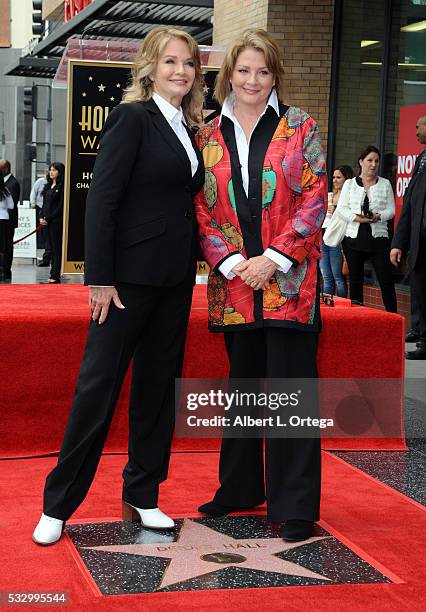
(361, 219)
(256, 271)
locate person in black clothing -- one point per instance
(51, 215)
(140, 264)
(14, 189)
(6, 205)
(410, 235)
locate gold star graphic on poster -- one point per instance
(118, 84)
(112, 98)
(84, 94)
(90, 78)
(201, 550)
(101, 87)
(205, 89)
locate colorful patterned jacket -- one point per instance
(284, 210)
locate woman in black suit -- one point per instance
(140, 263)
(51, 215)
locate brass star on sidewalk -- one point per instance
(200, 550)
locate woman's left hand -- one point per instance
(257, 272)
(43, 222)
(376, 217)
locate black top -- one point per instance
(53, 204)
(140, 218)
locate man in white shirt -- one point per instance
(36, 201)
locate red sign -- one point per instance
(408, 149)
(72, 7)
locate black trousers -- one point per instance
(43, 240)
(55, 238)
(152, 330)
(382, 267)
(418, 288)
(4, 223)
(293, 465)
(8, 259)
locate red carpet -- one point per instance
(42, 336)
(378, 523)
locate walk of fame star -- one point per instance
(201, 550)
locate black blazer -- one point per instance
(140, 222)
(407, 233)
(15, 191)
(53, 204)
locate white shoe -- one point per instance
(48, 530)
(152, 518)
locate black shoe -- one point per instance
(214, 509)
(412, 336)
(419, 353)
(297, 530)
(43, 264)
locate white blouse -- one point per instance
(176, 121)
(6, 204)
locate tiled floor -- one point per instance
(233, 552)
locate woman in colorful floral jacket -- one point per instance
(260, 216)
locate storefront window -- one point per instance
(360, 72)
(366, 35)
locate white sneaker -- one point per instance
(48, 530)
(153, 518)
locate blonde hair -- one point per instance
(141, 87)
(254, 38)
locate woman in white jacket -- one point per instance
(367, 203)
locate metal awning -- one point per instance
(123, 20)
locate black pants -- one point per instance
(418, 288)
(4, 223)
(43, 240)
(55, 237)
(152, 330)
(293, 465)
(8, 259)
(382, 267)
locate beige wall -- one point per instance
(21, 20)
(303, 30)
(52, 9)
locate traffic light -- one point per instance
(28, 100)
(38, 23)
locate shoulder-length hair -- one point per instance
(254, 38)
(141, 87)
(59, 181)
(347, 171)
